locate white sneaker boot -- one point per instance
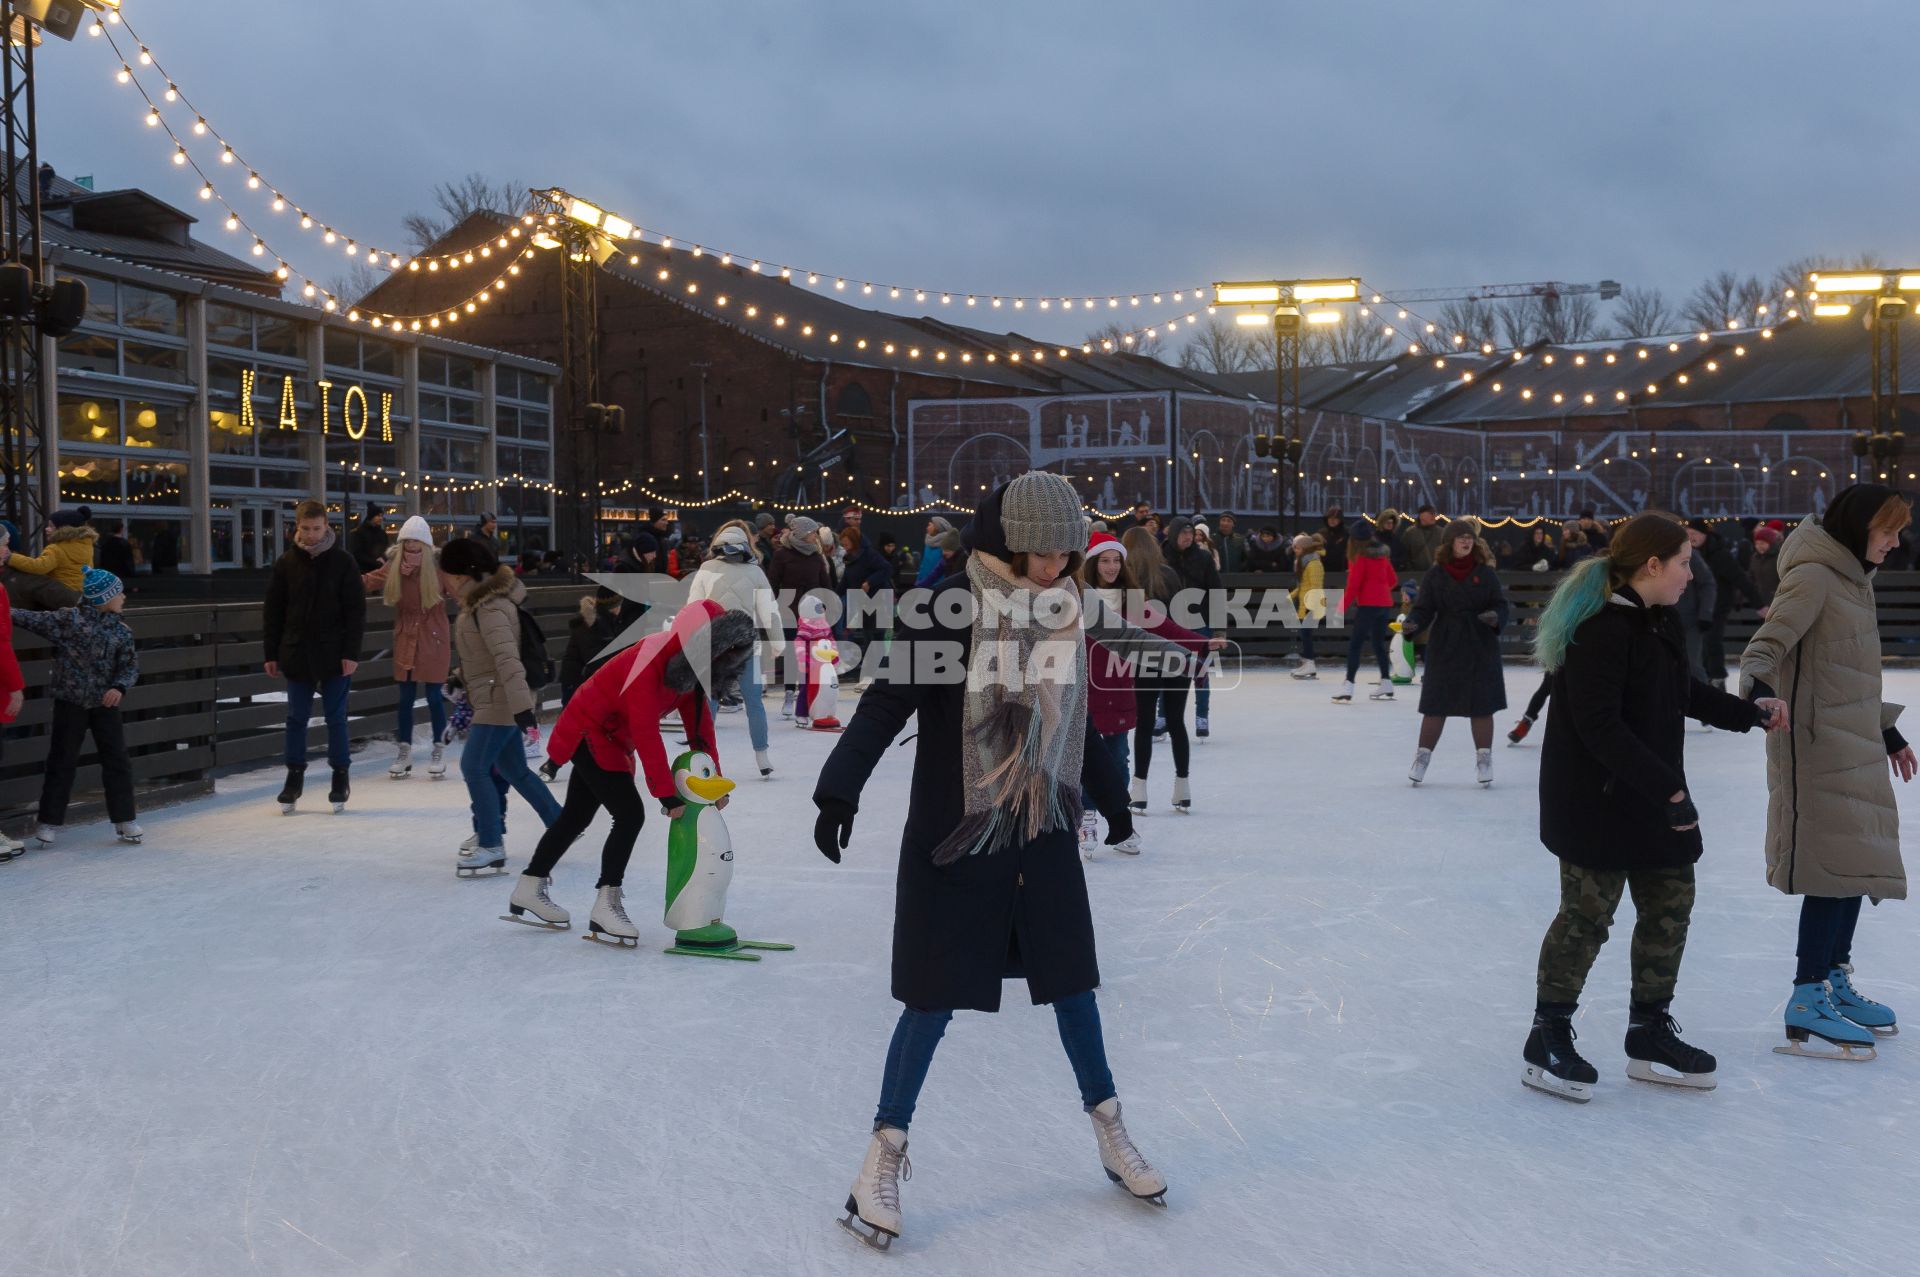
(473, 862)
(608, 923)
(402, 762)
(1123, 1162)
(1382, 691)
(786, 704)
(437, 764)
(764, 761)
(471, 841)
(1483, 766)
(530, 897)
(1182, 796)
(1137, 795)
(44, 834)
(1418, 772)
(9, 848)
(874, 1198)
(1128, 846)
(1089, 833)
(1305, 670)
(128, 831)
(1345, 695)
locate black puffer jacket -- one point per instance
(1193, 565)
(316, 613)
(1615, 748)
(1464, 678)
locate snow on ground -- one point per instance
(299, 1045)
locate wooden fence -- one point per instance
(204, 702)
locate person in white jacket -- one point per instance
(731, 577)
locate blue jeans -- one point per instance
(1202, 689)
(436, 709)
(756, 704)
(495, 748)
(333, 704)
(910, 1055)
(1117, 746)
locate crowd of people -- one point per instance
(1012, 778)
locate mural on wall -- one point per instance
(1187, 452)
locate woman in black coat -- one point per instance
(1461, 609)
(1615, 807)
(994, 890)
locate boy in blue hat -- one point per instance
(93, 669)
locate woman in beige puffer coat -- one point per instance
(487, 636)
(1833, 829)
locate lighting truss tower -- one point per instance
(23, 450)
(581, 251)
(1889, 294)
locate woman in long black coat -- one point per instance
(1461, 609)
(1001, 905)
(1615, 805)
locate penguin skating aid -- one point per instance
(700, 867)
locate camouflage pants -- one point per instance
(1663, 901)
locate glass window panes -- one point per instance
(150, 311)
(229, 325)
(230, 476)
(226, 436)
(152, 425)
(433, 368)
(95, 354)
(379, 358)
(277, 336)
(462, 412)
(157, 483)
(275, 442)
(462, 374)
(154, 363)
(533, 424)
(283, 480)
(342, 348)
(100, 303)
(90, 479)
(85, 420)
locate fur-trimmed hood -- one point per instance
(502, 582)
(81, 533)
(731, 635)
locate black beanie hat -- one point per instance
(467, 557)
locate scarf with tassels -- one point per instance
(1025, 714)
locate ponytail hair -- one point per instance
(1585, 589)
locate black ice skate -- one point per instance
(1655, 1052)
(291, 791)
(1553, 1065)
(340, 792)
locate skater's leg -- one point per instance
(1663, 903)
(1103, 780)
(621, 797)
(1539, 700)
(405, 692)
(1587, 901)
(1821, 918)
(484, 742)
(1354, 638)
(116, 767)
(436, 711)
(756, 704)
(1144, 701)
(64, 736)
(909, 1056)
(333, 701)
(1117, 746)
(1174, 702)
(512, 766)
(1431, 725)
(299, 710)
(1843, 936)
(1482, 732)
(582, 805)
(1078, 1019)
(1202, 687)
(1306, 639)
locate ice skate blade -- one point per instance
(539, 923)
(1153, 1199)
(607, 938)
(1842, 1051)
(1647, 1071)
(479, 871)
(1183, 809)
(436, 775)
(873, 1235)
(286, 809)
(1539, 1079)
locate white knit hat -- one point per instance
(417, 529)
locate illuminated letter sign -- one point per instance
(355, 430)
(289, 420)
(247, 421)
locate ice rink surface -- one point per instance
(262, 1044)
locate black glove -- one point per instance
(1490, 619)
(670, 807)
(1682, 813)
(834, 827)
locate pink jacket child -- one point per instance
(818, 704)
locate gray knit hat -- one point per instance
(1040, 512)
(803, 534)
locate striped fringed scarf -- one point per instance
(1026, 713)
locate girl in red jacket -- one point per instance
(614, 716)
(1370, 584)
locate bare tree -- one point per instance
(458, 200)
(1117, 332)
(1549, 317)
(355, 282)
(1355, 339)
(1642, 312)
(1724, 299)
(1470, 318)
(1218, 346)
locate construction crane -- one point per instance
(1606, 290)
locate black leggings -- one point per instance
(1826, 935)
(1539, 701)
(1368, 628)
(1172, 700)
(590, 788)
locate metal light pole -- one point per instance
(1889, 295)
(706, 465)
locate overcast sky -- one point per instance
(1047, 146)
